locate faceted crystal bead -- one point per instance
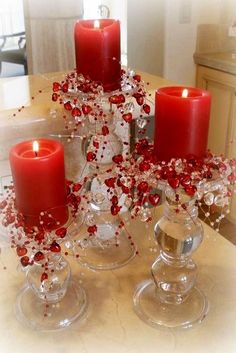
(141, 123)
(209, 199)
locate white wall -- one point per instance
(145, 23)
(161, 34)
(180, 37)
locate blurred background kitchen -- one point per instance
(158, 36)
(189, 42)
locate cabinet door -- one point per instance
(222, 131)
(222, 87)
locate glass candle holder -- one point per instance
(50, 300)
(171, 298)
(104, 244)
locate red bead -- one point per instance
(232, 178)
(174, 182)
(78, 198)
(39, 256)
(115, 209)
(118, 158)
(68, 106)
(9, 219)
(139, 98)
(76, 187)
(44, 276)
(190, 190)
(113, 99)
(54, 97)
(76, 112)
(90, 156)
(127, 117)
(86, 109)
(39, 237)
(146, 108)
(185, 180)
(24, 261)
(56, 86)
(121, 98)
(96, 144)
(48, 222)
(61, 232)
(154, 199)
(105, 130)
(114, 200)
(208, 174)
(65, 87)
(55, 247)
(143, 186)
(167, 173)
(3, 204)
(92, 229)
(110, 182)
(137, 78)
(125, 189)
(72, 199)
(144, 166)
(117, 99)
(21, 251)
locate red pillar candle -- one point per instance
(97, 49)
(181, 122)
(39, 179)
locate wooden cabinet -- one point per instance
(222, 132)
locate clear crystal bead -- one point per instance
(99, 198)
(221, 201)
(141, 123)
(209, 199)
(145, 214)
(129, 107)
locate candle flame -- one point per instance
(35, 147)
(185, 93)
(96, 24)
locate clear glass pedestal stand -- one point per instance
(51, 304)
(171, 298)
(109, 247)
(50, 300)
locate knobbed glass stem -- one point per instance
(101, 144)
(103, 244)
(53, 288)
(50, 300)
(171, 298)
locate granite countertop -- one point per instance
(225, 61)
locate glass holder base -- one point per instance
(105, 251)
(155, 313)
(39, 315)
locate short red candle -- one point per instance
(97, 49)
(181, 123)
(39, 179)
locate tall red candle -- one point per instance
(39, 179)
(97, 49)
(181, 122)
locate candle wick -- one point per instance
(36, 153)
